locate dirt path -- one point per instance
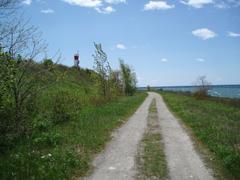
(183, 161)
(117, 161)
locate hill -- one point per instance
(54, 118)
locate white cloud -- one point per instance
(47, 11)
(27, 2)
(200, 60)
(233, 34)
(98, 5)
(157, 5)
(115, 1)
(121, 46)
(197, 3)
(164, 60)
(221, 4)
(107, 10)
(204, 33)
(85, 3)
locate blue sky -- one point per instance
(166, 42)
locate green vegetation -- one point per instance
(129, 78)
(67, 123)
(103, 68)
(59, 152)
(215, 122)
(151, 157)
(54, 118)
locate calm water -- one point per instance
(229, 91)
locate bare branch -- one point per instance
(8, 7)
(18, 37)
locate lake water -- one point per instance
(229, 91)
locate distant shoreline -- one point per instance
(225, 91)
(179, 86)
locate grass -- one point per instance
(65, 150)
(71, 122)
(151, 161)
(216, 123)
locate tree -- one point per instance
(128, 78)
(203, 87)
(148, 88)
(21, 82)
(102, 67)
(18, 37)
(8, 7)
(20, 44)
(116, 83)
(21, 79)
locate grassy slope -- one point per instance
(216, 124)
(151, 160)
(62, 150)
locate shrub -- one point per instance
(202, 88)
(21, 81)
(48, 138)
(200, 94)
(64, 105)
(41, 122)
(47, 62)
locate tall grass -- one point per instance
(63, 150)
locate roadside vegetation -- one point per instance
(215, 122)
(151, 160)
(54, 118)
(61, 150)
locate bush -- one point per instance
(21, 81)
(64, 105)
(48, 62)
(42, 122)
(13, 120)
(50, 139)
(200, 94)
(202, 88)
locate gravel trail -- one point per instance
(183, 161)
(117, 161)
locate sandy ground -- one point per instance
(117, 161)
